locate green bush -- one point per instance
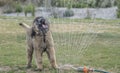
(118, 13)
(18, 7)
(69, 3)
(13, 7)
(68, 13)
(30, 8)
(33, 10)
(79, 5)
(118, 5)
(58, 3)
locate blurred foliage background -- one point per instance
(29, 5)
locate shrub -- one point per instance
(58, 3)
(118, 5)
(118, 13)
(30, 8)
(13, 7)
(18, 8)
(79, 5)
(68, 13)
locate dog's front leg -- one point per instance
(52, 57)
(38, 57)
(29, 56)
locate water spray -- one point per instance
(84, 40)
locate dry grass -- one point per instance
(83, 27)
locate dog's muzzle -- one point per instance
(43, 28)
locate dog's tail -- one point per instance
(25, 26)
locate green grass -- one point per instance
(103, 53)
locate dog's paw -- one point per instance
(38, 69)
(55, 66)
(28, 66)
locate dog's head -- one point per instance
(40, 26)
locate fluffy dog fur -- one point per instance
(39, 40)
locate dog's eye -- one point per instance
(38, 22)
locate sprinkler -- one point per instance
(81, 69)
(87, 70)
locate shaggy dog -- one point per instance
(39, 40)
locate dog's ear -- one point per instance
(32, 33)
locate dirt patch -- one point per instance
(5, 68)
(15, 69)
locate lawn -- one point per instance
(80, 42)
